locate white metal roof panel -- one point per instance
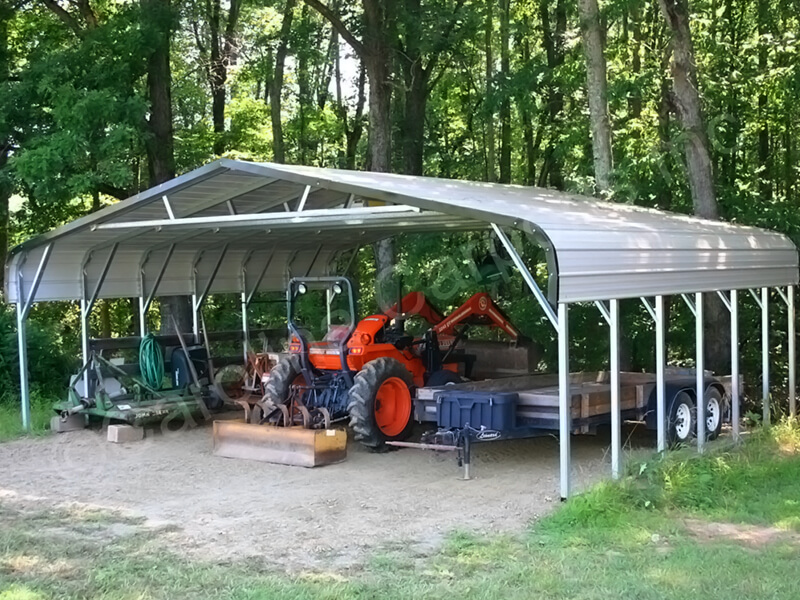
(601, 250)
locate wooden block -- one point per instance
(121, 434)
(72, 423)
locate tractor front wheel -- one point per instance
(380, 404)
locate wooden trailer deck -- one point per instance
(537, 402)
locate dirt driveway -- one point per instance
(332, 517)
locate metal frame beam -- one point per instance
(790, 306)
(611, 315)
(657, 314)
(247, 295)
(700, 369)
(763, 304)
(87, 304)
(564, 402)
(23, 310)
(788, 299)
(732, 304)
(303, 199)
(326, 215)
(146, 301)
(526, 275)
(199, 299)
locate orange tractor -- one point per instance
(367, 370)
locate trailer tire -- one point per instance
(380, 403)
(682, 419)
(714, 408)
(444, 377)
(281, 378)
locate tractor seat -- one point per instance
(336, 334)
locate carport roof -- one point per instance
(245, 226)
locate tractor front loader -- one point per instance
(363, 371)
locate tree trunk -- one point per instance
(304, 99)
(664, 141)
(160, 153)
(353, 136)
(698, 163)
(688, 107)
(597, 92)
(278, 148)
(488, 99)
(415, 79)
(416, 101)
(352, 133)
(160, 145)
(553, 42)
(378, 62)
(505, 99)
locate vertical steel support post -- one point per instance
(616, 442)
(765, 355)
(792, 352)
(564, 399)
(22, 344)
(86, 311)
(195, 318)
(142, 317)
(700, 368)
(24, 305)
(735, 400)
(245, 328)
(661, 361)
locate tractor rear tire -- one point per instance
(281, 379)
(381, 404)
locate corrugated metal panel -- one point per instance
(602, 250)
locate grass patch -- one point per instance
(621, 540)
(11, 418)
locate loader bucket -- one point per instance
(294, 446)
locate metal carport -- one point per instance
(241, 227)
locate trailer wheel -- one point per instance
(380, 404)
(281, 378)
(681, 423)
(714, 407)
(443, 377)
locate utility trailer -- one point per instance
(527, 406)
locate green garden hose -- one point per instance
(151, 362)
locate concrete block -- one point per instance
(120, 434)
(73, 423)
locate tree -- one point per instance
(216, 42)
(157, 23)
(686, 98)
(275, 100)
(6, 188)
(375, 51)
(505, 99)
(488, 101)
(553, 43)
(425, 35)
(598, 97)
